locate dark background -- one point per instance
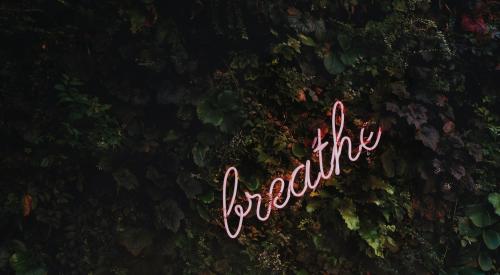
(119, 118)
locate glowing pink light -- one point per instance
(318, 145)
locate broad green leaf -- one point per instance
(333, 64)
(485, 262)
(491, 238)
(348, 58)
(209, 115)
(481, 218)
(228, 99)
(344, 41)
(494, 199)
(465, 228)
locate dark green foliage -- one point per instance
(119, 118)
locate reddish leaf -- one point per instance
(27, 200)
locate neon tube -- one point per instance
(338, 143)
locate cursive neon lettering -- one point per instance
(338, 142)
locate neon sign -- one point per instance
(276, 200)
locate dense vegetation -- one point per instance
(119, 118)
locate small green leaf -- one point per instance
(485, 262)
(332, 64)
(491, 239)
(344, 41)
(207, 197)
(306, 40)
(494, 199)
(312, 206)
(199, 154)
(252, 184)
(202, 211)
(372, 237)
(377, 183)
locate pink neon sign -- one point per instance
(274, 199)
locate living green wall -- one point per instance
(119, 118)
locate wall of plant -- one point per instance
(119, 118)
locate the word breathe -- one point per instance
(277, 196)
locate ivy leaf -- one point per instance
(371, 236)
(209, 115)
(199, 152)
(377, 183)
(169, 215)
(348, 213)
(494, 199)
(485, 262)
(429, 137)
(191, 186)
(332, 64)
(491, 239)
(135, 240)
(306, 40)
(125, 179)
